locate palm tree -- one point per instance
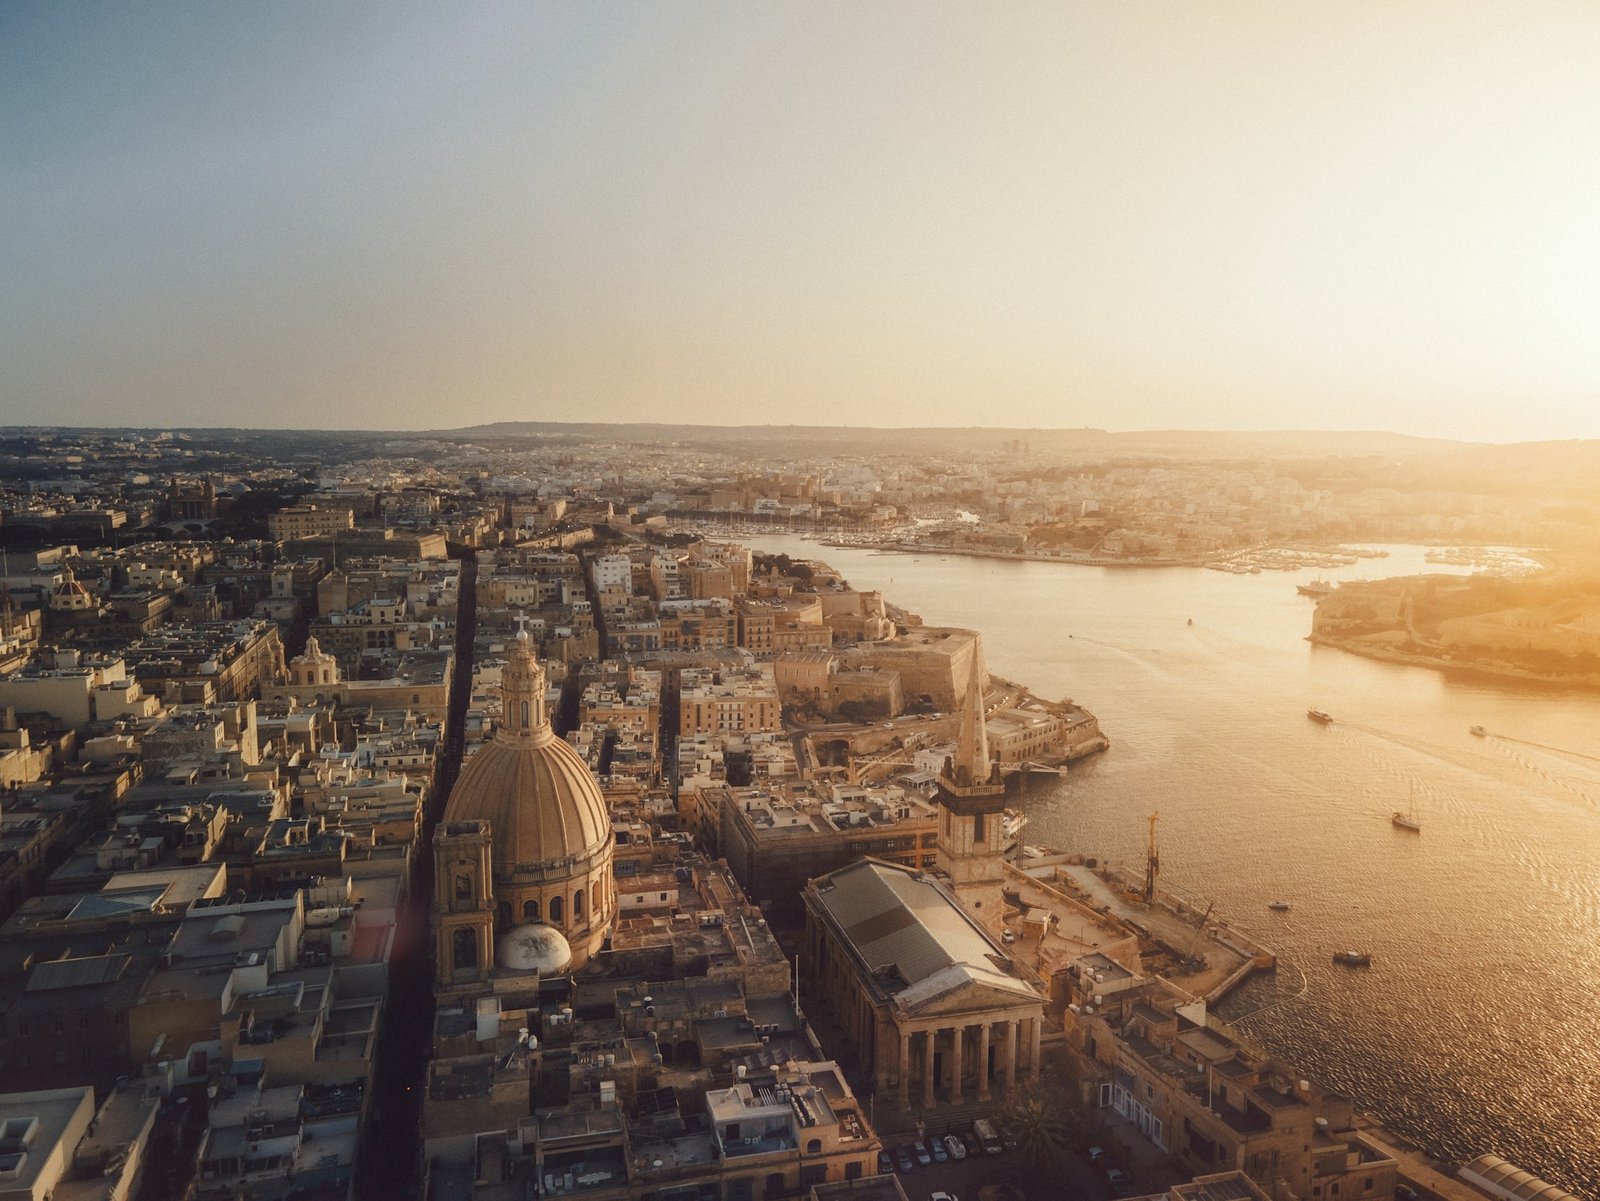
(1042, 1131)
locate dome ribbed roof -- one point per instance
(542, 803)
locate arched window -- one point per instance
(527, 715)
(502, 916)
(555, 911)
(530, 911)
(577, 905)
(463, 887)
(464, 948)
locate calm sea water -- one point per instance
(1478, 1026)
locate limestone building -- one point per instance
(522, 867)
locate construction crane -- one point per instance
(1189, 958)
(1152, 863)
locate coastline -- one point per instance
(1408, 658)
(930, 548)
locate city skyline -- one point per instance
(362, 217)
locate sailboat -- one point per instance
(1408, 819)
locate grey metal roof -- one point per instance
(892, 916)
(86, 972)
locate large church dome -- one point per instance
(549, 831)
(544, 807)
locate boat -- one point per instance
(1278, 906)
(1353, 958)
(1318, 588)
(1407, 818)
(1191, 621)
(1321, 718)
(1477, 731)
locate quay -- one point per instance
(1203, 955)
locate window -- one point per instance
(463, 887)
(556, 912)
(977, 827)
(530, 911)
(464, 948)
(577, 905)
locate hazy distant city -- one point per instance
(799, 602)
(502, 812)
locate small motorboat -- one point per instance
(1278, 906)
(1477, 731)
(1321, 718)
(1353, 958)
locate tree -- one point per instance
(1039, 1123)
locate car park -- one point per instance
(957, 1149)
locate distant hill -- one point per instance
(1188, 444)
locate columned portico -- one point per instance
(983, 1061)
(958, 1036)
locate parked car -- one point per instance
(957, 1149)
(885, 1163)
(987, 1138)
(1121, 1185)
(944, 1196)
(941, 1153)
(1097, 1156)
(920, 1150)
(902, 1157)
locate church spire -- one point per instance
(972, 750)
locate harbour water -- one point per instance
(1477, 1027)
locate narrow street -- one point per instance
(389, 1165)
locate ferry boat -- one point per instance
(1318, 588)
(1321, 718)
(1477, 731)
(1278, 906)
(1353, 958)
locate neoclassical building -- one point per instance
(913, 963)
(522, 859)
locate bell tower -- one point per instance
(970, 847)
(463, 905)
(522, 694)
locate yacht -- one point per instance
(1353, 958)
(1321, 718)
(1278, 906)
(1477, 731)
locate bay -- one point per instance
(1478, 1026)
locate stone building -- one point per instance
(929, 1001)
(525, 853)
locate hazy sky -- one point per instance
(1178, 214)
